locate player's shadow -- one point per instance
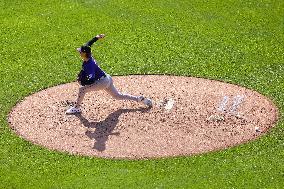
(104, 129)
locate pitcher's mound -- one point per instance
(189, 116)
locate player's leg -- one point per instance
(97, 86)
(119, 96)
(83, 90)
(81, 94)
(111, 90)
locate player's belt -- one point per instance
(104, 76)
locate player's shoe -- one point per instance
(145, 101)
(73, 110)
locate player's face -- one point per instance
(83, 55)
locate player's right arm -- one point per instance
(92, 41)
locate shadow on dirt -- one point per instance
(104, 129)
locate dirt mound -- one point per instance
(189, 116)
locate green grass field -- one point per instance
(240, 42)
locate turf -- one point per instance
(236, 41)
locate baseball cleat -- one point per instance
(73, 110)
(145, 101)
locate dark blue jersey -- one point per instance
(90, 72)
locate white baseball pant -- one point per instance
(106, 84)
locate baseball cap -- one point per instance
(85, 49)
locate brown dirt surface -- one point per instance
(189, 116)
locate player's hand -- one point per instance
(100, 36)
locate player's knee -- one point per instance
(82, 90)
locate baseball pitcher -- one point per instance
(93, 78)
